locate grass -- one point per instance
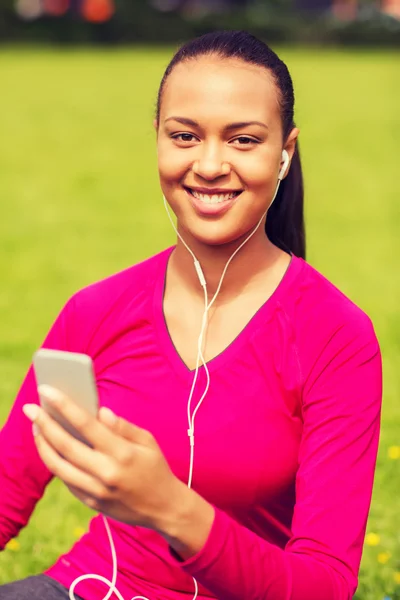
(80, 200)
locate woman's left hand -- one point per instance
(124, 475)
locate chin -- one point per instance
(215, 233)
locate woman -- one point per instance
(249, 477)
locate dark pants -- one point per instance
(39, 587)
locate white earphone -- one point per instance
(286, 160)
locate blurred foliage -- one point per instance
(136, 21)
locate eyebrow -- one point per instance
(238, 125)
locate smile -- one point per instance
(213, 197)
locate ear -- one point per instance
(290, 146)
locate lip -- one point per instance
(208, 191)
(204, 209)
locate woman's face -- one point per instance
(219, 141)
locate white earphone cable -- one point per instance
(191, 417)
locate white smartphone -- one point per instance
(72, 374)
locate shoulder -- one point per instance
(134, 280)
(315, 299)
(323, 319)
(113, 302)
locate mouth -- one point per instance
(213, 196)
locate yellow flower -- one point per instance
(394, 452)
(13, 545)
(383, 557)
(396, 577)
(78, 532)
(372, 539)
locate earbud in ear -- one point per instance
(286, 160)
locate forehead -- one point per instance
(215, 88)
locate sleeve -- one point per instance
(341, 415)
(23, 476)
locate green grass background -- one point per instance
(79, 200)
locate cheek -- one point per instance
(172, 165)
(258, 169)
(259, 176)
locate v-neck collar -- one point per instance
(259, 318)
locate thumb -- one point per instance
(123, 428)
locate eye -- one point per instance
(187, 138)
(244, 140)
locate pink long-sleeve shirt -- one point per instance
(286, 440)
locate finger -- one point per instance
(72, 450)
(124, 428)
(80, 494)
(68, 473)
(94, 503)
(90, 428)
(109, 450)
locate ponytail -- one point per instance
(285, 220)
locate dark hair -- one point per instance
(285, 222)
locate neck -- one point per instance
(255, 257)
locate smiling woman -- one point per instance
(227, 110)
(233, 455)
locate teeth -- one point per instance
(214, 198)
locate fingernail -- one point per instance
(50, 393)
(110, 417)
(31, 411)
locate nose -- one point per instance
(210, 164)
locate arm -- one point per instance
(341, 413)
(23, 476)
